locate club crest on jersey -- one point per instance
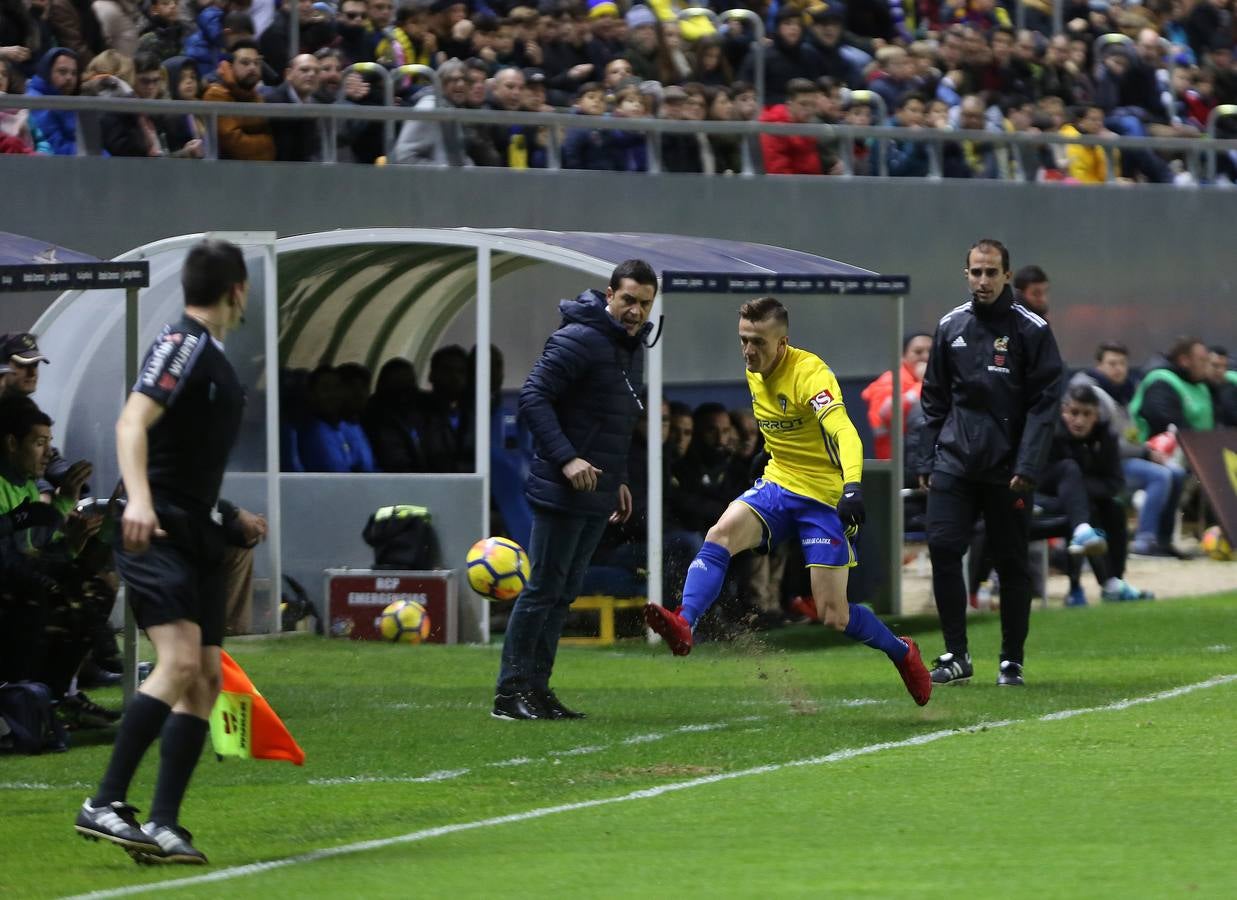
(821, 400)
(782, 401)
(1001, 344)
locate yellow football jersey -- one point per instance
(814, 446)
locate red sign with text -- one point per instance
(356, 598)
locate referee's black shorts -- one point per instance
(179, 576)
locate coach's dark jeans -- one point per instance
(954, 504)
(560, 548)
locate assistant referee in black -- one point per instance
(172, 440)
(990, 397)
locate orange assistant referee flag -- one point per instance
(243, 724)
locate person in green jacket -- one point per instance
(51, 596)
(1177, 394)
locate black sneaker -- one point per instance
(948, 668)
(115, 822)
(79, 711)
(173, 845)
(518, 706)
(93, 675)
(555, 707)
(1010, 674)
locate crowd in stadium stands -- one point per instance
(1154, 68)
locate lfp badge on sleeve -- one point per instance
(356, 598)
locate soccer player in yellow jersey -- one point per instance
(811, 487)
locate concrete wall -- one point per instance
(1141, 264)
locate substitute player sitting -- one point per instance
(810, 486)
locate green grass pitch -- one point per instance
(983, 793)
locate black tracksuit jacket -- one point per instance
(990, 393)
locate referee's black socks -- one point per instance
(142, 723)
(179, 750)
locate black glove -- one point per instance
(33, 515)
(850, 505)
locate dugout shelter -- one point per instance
(372, 294)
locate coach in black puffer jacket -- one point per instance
(580, 405)
(580, 401)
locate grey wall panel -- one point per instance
(323, 517)
(1138, 263)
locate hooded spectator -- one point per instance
(57, 76)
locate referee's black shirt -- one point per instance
(186, 372)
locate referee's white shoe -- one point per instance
(173, 844)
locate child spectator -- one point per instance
(1087, 165)
(409, 41)
(795, 154)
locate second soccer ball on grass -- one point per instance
(405, 622)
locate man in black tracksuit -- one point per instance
(580, 404)
(989, 399)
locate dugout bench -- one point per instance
(604, 605)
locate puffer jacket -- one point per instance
(580, 400)
(58, 126)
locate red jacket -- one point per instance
(879, 397)
(788, 155)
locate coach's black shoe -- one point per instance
(518, 706)
(173, 845)
(93, 675)
(1010, 675)
(949, 668)
(555, 707)
(115, 822)
(78, 711)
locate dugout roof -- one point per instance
(28, 264)
(368, 294)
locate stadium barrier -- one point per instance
(332, 114)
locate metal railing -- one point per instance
(333, 113)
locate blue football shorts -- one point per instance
(784, 513)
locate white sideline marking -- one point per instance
(41, 786)
(643, 794)
(577, 751)
(444, 775)
(552, 755)
(643, 738)
(518, 761)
